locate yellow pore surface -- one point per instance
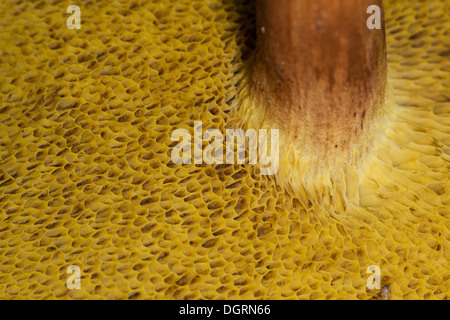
(86, 176)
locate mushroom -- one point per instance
(87, 184)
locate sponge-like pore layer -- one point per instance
(86, 176)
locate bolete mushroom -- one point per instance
(87, 183)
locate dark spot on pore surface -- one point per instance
(445, 53)
(417, 35)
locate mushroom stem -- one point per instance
(319, 70)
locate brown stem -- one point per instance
(318, 69)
